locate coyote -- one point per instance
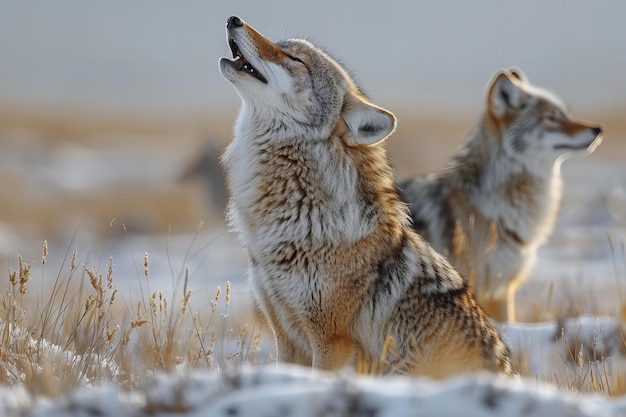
(335, 267)
(497, 202)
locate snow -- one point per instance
(567, 347)
(294, 391)
(289, 390)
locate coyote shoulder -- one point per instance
(334, 265)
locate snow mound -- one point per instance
(548, 345)
(291, 391)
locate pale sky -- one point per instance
(161, 56)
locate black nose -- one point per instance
(597, 130)
(234, 22)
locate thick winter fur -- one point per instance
(497, 202)
(334, 264)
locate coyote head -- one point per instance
(297, 90)
(534, 124)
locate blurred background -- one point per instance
(113, 114)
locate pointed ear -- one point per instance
(517, 73)
(369, 124)
(505, 94)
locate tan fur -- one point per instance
(334, 265)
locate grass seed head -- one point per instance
(44, 257)
(146, 264)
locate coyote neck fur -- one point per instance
(288, 191)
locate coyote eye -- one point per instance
(295, 58)
(550, 121)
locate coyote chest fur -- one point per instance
(496, 204)
(334, 265)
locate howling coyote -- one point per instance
(335, 266)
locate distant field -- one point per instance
(423, 142)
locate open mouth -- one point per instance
(241, 64)
(573, 147)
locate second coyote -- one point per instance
(496, 204)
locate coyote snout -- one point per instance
(334, 265)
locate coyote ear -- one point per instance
(369, 124)
(517, 73)
(505, 94)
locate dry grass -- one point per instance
(595, 364)
(82, 335)
(586, 369)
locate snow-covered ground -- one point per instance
(571, 353)
(293, 391)
(283, 390)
